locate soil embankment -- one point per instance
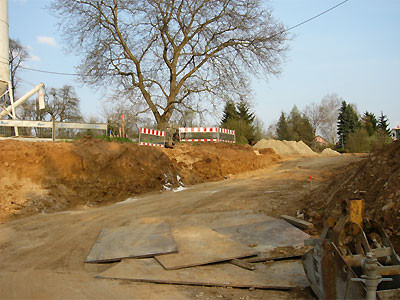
(374, 179)
(43, 177)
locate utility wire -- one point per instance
(286, 30)
(50, 72)
(316, 16)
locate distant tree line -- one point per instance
(337, 122)
(361, 134)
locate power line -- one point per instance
(286, 30)
(316, 16)
(50, 72)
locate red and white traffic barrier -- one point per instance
(185, 130)
(153, 132)
(198, 129)
(199, 140)
(227, 131)
(151, 144)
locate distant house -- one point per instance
(320, 140)
(395, 133)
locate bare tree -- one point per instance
(315, 114)
(17, 55)
(63, 104)
(330, 105)
(323, 116)
(173, 55)
(113, 109)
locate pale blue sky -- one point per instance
(353, 51)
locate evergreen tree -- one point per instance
(244, 113)
(240, 119)
(300, 128)
(370, 123)
(282, 128)
(230, 112)
(348, 122)
(383, 125)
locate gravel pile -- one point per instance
(329, 152)
(285, 147)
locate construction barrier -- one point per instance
(151, 133)
(220, 134)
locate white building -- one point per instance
(395, 133)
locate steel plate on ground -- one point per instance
(278, 275)
(211, 219)
(144, 240)
(273, 239)
(200, 246)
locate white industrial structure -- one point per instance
(4, 69)
(5, 82)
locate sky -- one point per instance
(353, 51)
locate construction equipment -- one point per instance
(353, 259)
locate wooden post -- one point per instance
(123, 125)
(53, 129)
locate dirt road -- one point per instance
(43, 256)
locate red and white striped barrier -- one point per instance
(158, 133)
(226, 141)
(150, 144)
(199, 140)
(227, 131)
(184, 130)
(198, 129)
(152, 132)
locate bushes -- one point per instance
(361, 142)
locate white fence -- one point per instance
(53, 126)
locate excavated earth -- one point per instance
(46, 177)
(376, 179)
(70, 191)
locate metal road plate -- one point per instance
(278, 275)
(144, 240)
(201, 245)
(274, 239)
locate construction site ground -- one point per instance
(57, 197)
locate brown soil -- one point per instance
(374, 179)
(42, 256)
(44, 177)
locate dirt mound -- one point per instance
(329, 151)
(36, 177)
(285, 147)
(374, 179)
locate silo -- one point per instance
(4, 46)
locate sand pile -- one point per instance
(329, 152)
(285, 147)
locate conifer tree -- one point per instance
(282, 128)
(348, 122)
(370, 123)
(230, 112)
(383, 124)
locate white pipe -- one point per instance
(4, 47)
(39, 88)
